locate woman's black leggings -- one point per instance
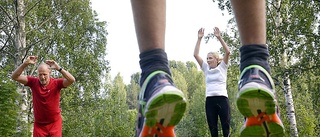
(218, 106)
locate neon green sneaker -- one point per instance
(256, 102)
(161, 109)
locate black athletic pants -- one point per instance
(218, 106)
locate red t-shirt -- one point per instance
(46, 100)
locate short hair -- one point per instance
(216, 55)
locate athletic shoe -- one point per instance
(256, 101)
(161, 109)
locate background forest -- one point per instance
(96, 105)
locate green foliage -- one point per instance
(132, 91)
(293, 53)
(195, 119)
(224, 5)
(191, 81)
(305, 105)
(293, 45)
(180, 81)
(121, 113)
(237, 119)
(194, 78)
(8, 107)
(108, 115)
(70, 33)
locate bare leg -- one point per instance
(251, 20)
(256, 98)
(150, 23)
(158, 95)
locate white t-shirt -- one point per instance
(216, 79)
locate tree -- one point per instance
(66, 31)
(120, 111)
(8, 107)
(290, 32)
(133, 90)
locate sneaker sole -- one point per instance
(253, 99)
(166, 108)
(266, 129)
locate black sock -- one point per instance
(254, 55)
(151, 61)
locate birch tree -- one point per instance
(286, 81)
(291, 31)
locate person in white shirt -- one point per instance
(215, 71)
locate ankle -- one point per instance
(254, 55)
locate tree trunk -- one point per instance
(20, 45)
(286, 82)
(290, 107)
